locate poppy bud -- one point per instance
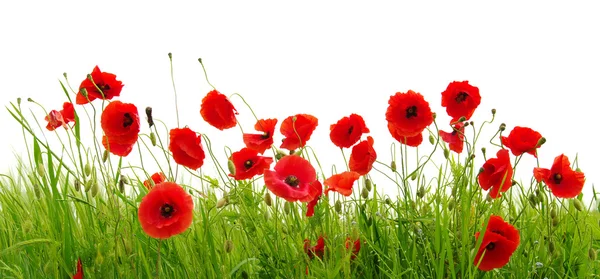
(30, 100)
(287, 208)
(421, 192)
(121, 186)
(551, 246)
(413, 177)
(231, 167)
(105, 156)
(393, 166)
(222, 202)
(553, 213)
(266, 215)
(19, 101)
(40, 170)
(171, 55)
(592, 254)
(446, 153)
(578, 204)
(338, 207)
(431, 139)
(388, 201)
(434, 115)
(153, 138)
(36, 191)
(368, 185)
(364, 193)
(541, 141)
(462, 119)
(149, 116)
(467, 124)
(268, 200)
(532, 200)
(472, 123)
(228, 246)
(279, 154)
(87, 170)
(502, 127)
(555, 222)
(493, 111)
(125, 179)
(77, 185)
(87, 185)
(245, 274)
(451, 205)
(94, 189)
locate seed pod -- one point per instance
(368, 184)
(493, 111)
(578, 204)
(268, 200)
(338, 207)
(153, 138)
(228, 246)
(393, 166)
(149, 116)
(364, 193)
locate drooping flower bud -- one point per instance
(368, 184)
(338, 207)
(393, 166)
(77, 185)
(153, 138)
(268, 200)
(87, 170)
(41, 170)
(231, 167)
(228, 246)
(149, 117)
(578, 204)
(431, 139)
(94, 190)
(364, 193)
(105, 156)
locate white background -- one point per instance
(538, 64)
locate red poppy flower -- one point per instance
(342, 182)
(408, 113)
(156, 178)
(60, 118)
(248, 164)
(521, 140)
(362, 157)
(297, 130)
(186, 147)
(500, 241)
(310, 207)
(317, 250)
(166, 210)
(413, 141)
(497, 174)
(218, 111)
(79, 274)
(105, 86)
(562, 180)
(68, 112)
(356, 247)
(121, 125)
(455, 139)
(261, 142)
(348, 130)
(294, 179)
(460, 99)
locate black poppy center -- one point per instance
(166, 210)
(490, 246)
(411, 112)
(292, 180)
(248, 164)
(266, 136)
(127, 121)
(557, 178)
(350, 130)
(104, 87)
(461, 97)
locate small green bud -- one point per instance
(462, 119)
(287, 207)
(578, 204)
(421, 192)
(87, 170)
(279, 154)
(553, 213)
(592, 254)
(121, 186)
(413, 177)
(30, 100)
(502, 127)
(222, 202)
(388, 201)
(393, 166)
(364, 193)
(541, 141)
(431, 139)
(451, 205)
(19, 101)
(493, 111)
(231, 167)
(446, 153)
(153, 138)
(338, 207)
(94, 190)
(368, 184)
(551, 246)
(41, 170)
(434, 115)
(36, 191)
(105, 156)
(171, 56)
(268, 200)
(532, 200)
(555, 222)
(77, 185)
(228, 246)
(483, 150)
(87, 185)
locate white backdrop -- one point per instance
(536, 63)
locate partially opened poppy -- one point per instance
(79, 273)
(186, 147)
(342, 182)
(413, 141)
(294, 179)
(104, 86)
(68, 112)
(362, 157)
(496, 174)
(166, 210)
(355, 247)
(500, 241)
(297, 130)
(522, 140)
(121, 125)
(248, 164)
(155, 178)
(310, 206)
(218, 111)
(261, 142)
(60, 118)
(455, 139)
(408, 113)
(562, 180)
(318, 250)
(460, 99)
(348, 130)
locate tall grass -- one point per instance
(63, 201)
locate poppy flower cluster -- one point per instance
(166, 210)
(60, 118)
(121, 125)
